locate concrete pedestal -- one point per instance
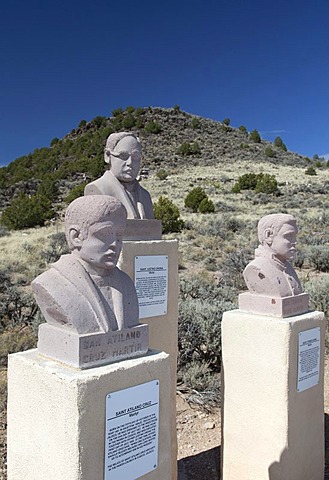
(56, 415)
(271, 431)
(163, 334)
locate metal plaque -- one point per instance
(309, 350)
(151, 282)
(131, 433)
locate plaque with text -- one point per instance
(151, 282)
(308, 359)
(131, 434)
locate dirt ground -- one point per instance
(199, 439)
(198, 436)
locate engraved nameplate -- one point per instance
(92, 349)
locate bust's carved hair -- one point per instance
(273, 222)
(85, 211)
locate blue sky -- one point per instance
(264, 64)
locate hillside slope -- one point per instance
(78, 157)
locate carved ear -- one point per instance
(268, 236)
(107, 155)
(74, 234)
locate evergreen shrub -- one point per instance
(194, 198)
(310, 171)
(195, 123)
(266, 183)
(27, 211)
(254, 136)
(128, 122)
(152, 127)
(279, 143)
(187, 149)
(319, 164)
(76, 192)
(166, 211)
(54, 141)
(269, 152)
(162, 174)
(206, 206)
(117, 112)
(260, 182)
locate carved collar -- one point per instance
(264, 252)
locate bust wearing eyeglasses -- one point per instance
(123, 154)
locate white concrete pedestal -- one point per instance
(271, 431)
(56, 415)
(163, 329)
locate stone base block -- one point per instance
(272, 431)
(276, 306)
(92, 349)
(137, 229)
(56, 416)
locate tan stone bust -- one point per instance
(123, 153)
(271, 273)
(85, 291)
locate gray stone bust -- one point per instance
(123, 154)
(271, 273)
(85, 291)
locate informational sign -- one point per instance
(131, 433)
(308, 359)
(151, 282)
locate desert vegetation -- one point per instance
(214, 249)
(240, 183)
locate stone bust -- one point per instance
(270, 273)
(84, 291)
(123, 153)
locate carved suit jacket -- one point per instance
(266, 275)
(68, 296)
(108, 184)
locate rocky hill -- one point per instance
(170, 138)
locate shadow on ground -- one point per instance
(204, 465)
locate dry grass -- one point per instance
(219, 182)
(21, 250)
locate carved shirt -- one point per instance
(134, 197)
(267, 275)
(68, 295)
